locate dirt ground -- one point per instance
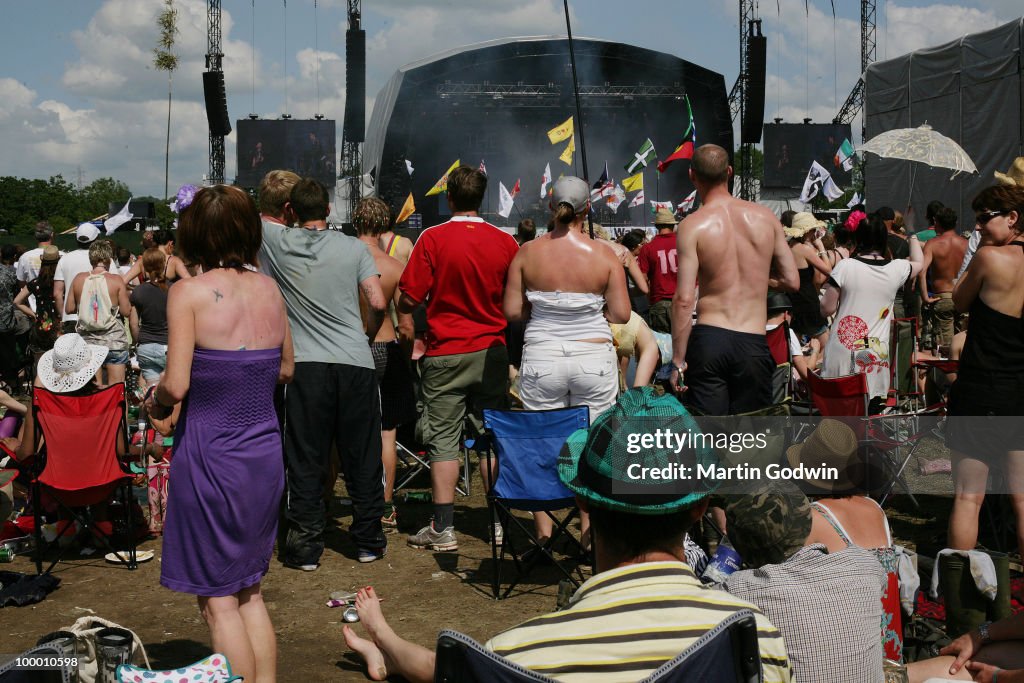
(423, 592)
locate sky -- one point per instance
(79, 96)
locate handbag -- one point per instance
(86, 647)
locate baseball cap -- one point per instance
(86, 232)
(572, 191)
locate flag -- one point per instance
(617, 196)
(545, 181)
(483, 167)
(408, 166)
(844, 156)
(515, 189)
(855, 200)
(816, 177)
(408, 209)
(119, 218)
(660, 205)
(687, 204)
(684, 150)
(603, 187)
(634, 182)
(505, 201)
(638, 200)
(831, 190)
(442, 184)
(643, 155)
(561, 132)
(566, 155)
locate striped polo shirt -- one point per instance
(624, 623)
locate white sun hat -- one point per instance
(70, 364)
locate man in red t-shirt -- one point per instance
(657, 260)
(458, 269)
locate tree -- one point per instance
(164, 59)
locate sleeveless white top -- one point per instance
(566, 316)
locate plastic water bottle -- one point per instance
(724, 563)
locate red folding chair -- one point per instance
(77, 464)
(845, 396)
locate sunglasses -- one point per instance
(985, 216)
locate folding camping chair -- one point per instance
(883, 435)
(782, 377)
(61, 672)
(77, 464)
(526, 446)
(728, 653)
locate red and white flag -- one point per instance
(515, 189)
(687, 204)
(545, 181)
(638, 200)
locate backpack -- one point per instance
(95, 312)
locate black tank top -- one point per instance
(995, 341)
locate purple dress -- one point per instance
(227, 475)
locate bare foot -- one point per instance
(370, 614)
(370, 653)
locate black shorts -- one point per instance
(727, 372)
(985, 412)
(397, 400)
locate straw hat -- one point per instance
(803, 223)
(1013, 176)
(70, 364)
(665, 217)
(51, 254)
(832, 444)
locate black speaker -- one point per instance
(753, 111)
(354, 129)
(216, 103)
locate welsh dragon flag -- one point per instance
(684, 150)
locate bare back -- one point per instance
(390, 269)
(735, 243)
(569, 263)
(947, 253)
(859, 517)
(234, 310)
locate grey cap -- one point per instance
(572, 191)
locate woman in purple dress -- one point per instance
(228, 346)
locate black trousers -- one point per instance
(330, 404)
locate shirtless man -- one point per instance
(727, 248)
(397, 401)
(943, 255)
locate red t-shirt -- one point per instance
(458, 268)
(657, 260)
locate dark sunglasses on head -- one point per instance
(985, 216)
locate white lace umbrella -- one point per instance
(922, 144)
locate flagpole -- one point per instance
(579, 109)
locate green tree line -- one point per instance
(26, 201)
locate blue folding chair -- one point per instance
(527, 444)
(728, 653)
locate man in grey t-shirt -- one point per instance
(333, 398)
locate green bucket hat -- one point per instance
(605, 464)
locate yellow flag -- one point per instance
(566, 156)
(442, 184)
(633, 182)
(560, 133)
(408, 209)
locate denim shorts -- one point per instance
(116, 357)
(152, 360)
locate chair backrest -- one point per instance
(728, 653)
(80, 436)
(527, 444)
(901, 354)
(460, 659)
(839, 396)
(778, 343)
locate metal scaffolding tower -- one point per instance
(739, 99)
(214, 57)
(351, 161)
(868, 44)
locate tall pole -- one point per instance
(579, 109)
(214, 57)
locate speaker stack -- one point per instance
(216, 103)
(756, 66)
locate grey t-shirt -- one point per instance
(319, 274)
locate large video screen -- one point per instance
(789, 149)
(303, 146)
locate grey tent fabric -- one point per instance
(971, 90)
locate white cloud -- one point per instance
(912, 28)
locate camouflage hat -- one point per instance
(605, 464)
(768, 524)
